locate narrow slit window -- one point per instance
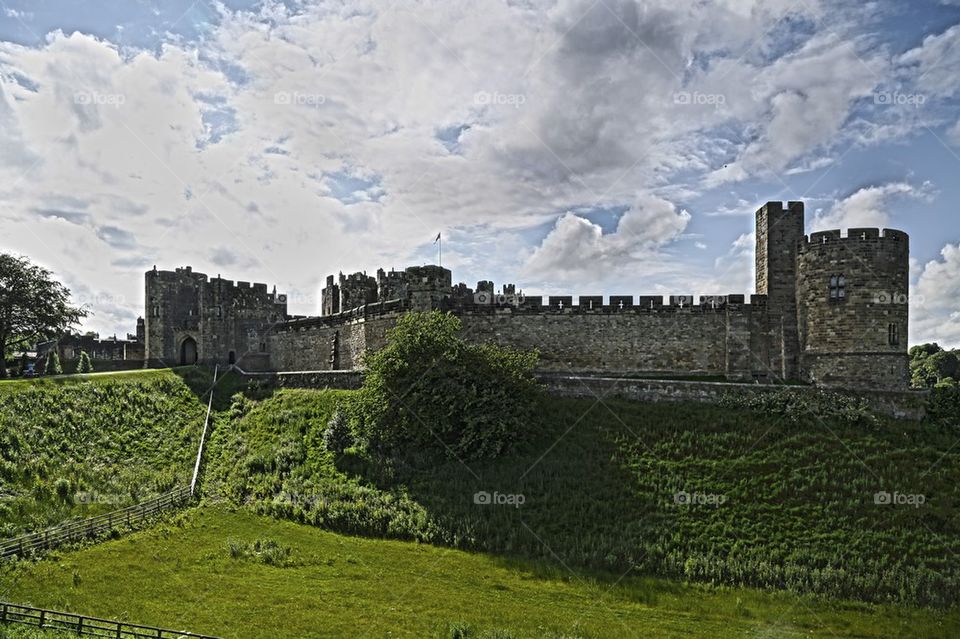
(893, 334)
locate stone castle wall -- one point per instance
(694, 340)
(797, 327)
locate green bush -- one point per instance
(84, 365)
(944, 406)
(428, 389)
(265, 551)
(805, 406)
(338, 437)
(53, 364)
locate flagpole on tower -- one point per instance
(439, 242)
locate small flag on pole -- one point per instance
(437, 238)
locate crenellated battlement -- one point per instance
(855, 236)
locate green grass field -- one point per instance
(600, 483)
(75, 446)
(183, 576)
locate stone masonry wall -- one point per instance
(688, 341)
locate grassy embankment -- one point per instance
(599, 483)
(75, 446)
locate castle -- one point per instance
(829, 309)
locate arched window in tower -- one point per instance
(893, 335)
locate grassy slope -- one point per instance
(123, 436)
(334, 586)
(599, 485)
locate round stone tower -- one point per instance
(853, 308)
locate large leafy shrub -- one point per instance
(430, 389)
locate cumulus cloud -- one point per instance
(299, 139)
(577, 245)
(867, 207)
(935, 314)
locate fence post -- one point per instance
(3, 615)
(42, 615)
(119, 625)
(79, 625)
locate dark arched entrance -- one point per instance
(188, 352)
(232, 358)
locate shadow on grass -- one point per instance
(564, 499)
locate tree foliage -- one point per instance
(932, 366)
(33, 306)
(430, 389)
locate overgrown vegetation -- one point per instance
(266, 551)
(78, 447)
(429, 390)
(806, 408)
(772, 497)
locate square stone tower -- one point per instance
(780, 230)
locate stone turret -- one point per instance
(853, 300)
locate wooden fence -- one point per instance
(92, 527)
(83, 625)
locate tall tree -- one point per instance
(33, 306)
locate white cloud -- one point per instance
(867, 207)
(934, 66)
(231, 154)
(578, 246)
(953, 134)
(935, 313)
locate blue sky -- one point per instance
(568, 146)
